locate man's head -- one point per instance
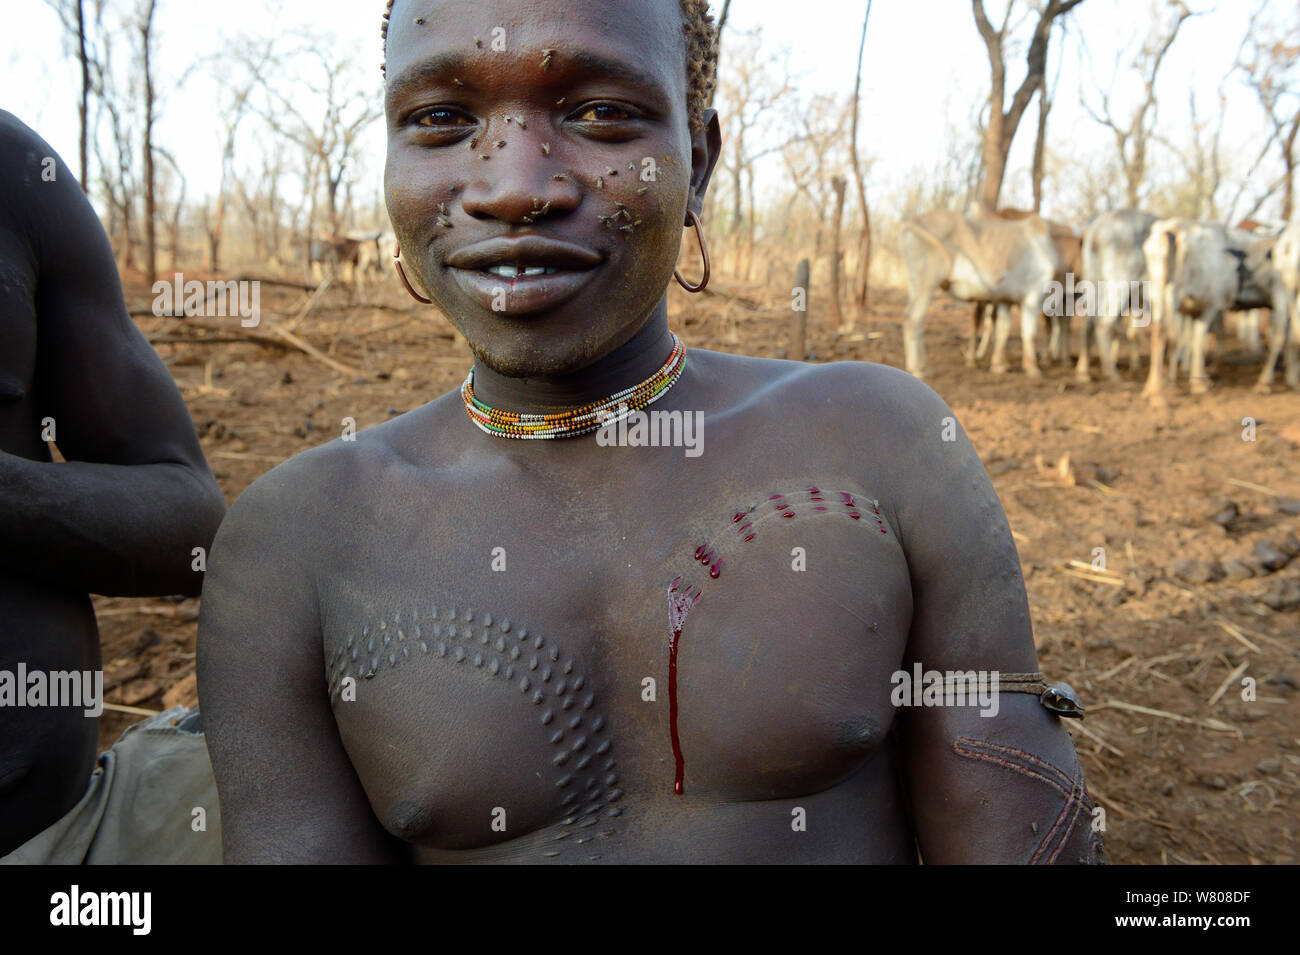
(701, 56)
(568, 138)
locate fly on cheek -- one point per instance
(578, 154)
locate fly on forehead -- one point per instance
(698, 30)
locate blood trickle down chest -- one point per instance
(679, 605)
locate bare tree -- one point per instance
(753, 85)
(1046, 97)
(1268, 59)
(145, 26)
(837, 316)
(1133, 136)
(172, 214)
(719, 25)
(814, 157)
(328, 140)
(1004, 119)
(72, 16)
(1195, 195)
(864, 237)
(232, 114)
(116, 172)
(263, 206)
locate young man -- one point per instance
(440, 643)
(121, 516)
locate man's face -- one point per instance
(580, 108)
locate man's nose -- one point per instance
(520, 182)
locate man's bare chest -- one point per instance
(553, 657)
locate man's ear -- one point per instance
(706, 147)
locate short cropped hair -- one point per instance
(701, 57)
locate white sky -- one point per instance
(925, 68)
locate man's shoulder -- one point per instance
(16, 135)
(856, 389)
(340, 472)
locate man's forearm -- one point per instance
(118, 530)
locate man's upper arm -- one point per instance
(288, 791)
(113, 400)
(996, 785)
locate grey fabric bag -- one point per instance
(139, 808)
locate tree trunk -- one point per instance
(1288, 161)
(721, 25)
(1288, 190)
(750, 228)
(1040, 144)
(864, 238)
(150, 204)
(84, 110)
(1004, 119)
(799, 319)
(839, 184)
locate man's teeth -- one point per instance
(516, 271)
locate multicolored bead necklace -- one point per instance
(588, 418)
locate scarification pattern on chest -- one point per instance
(526, 662)
(743, 527)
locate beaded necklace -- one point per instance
(588, 418)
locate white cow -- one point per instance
(979, 259)
(1115, 266)
(1286, 309)
(1193, 279)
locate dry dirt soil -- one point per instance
(1195, 523)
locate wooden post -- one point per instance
(799, 322)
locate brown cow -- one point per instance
(1069, 256)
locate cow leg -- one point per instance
(1198, 380)
(1155, 374)
(913, 322)
(977, 314)
(1186, 333)
(1029, 310)
(1003, 328)
(1081, 367)
(1058, 343)
(1106, 357)
(986, 330)
(1277, 340)
(1134, 349)
(926, 269)
(1248, 330)
(1176, 324)
(1053, 338)
(1292, 340)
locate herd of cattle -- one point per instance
(1176, 276)
(356, 257)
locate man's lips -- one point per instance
(522, 274)
(524, 250)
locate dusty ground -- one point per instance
(1185, 780)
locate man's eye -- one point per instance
(440, 117)
(604, 113)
